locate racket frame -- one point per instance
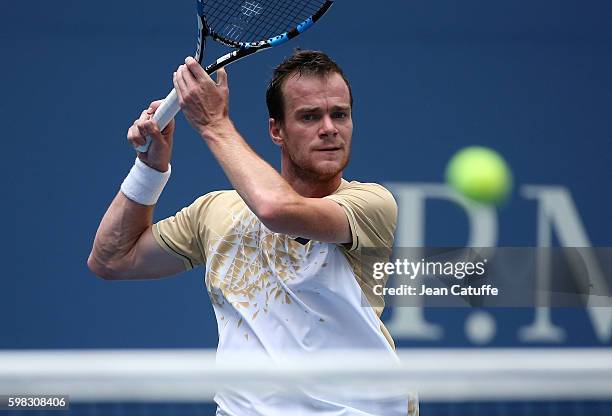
(170, 107)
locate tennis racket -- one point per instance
(248, 26)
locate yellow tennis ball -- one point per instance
(480, 174)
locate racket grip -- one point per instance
(164, 114)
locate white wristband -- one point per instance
(144, 184)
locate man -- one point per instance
(281, 250)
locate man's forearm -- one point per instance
(259, 184)
(120, 228)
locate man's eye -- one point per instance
(309, 117)
(339, 114)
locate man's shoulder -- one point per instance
(214, 198)
(209, 206)
(364, 188)
(211, 210)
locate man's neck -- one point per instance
(311, 187)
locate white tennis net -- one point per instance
(438, 375)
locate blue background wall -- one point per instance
(530, 79)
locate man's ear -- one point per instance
(275, 129)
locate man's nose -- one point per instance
(328, 127)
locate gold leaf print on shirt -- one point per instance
(250, 260)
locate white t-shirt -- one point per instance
(274, 294)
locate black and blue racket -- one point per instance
(248, 26)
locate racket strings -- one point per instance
(217, 18)
(248, 22)
(280, 8)
(257, 20)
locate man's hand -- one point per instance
(160, 151)
(204, 102)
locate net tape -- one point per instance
(194, 375)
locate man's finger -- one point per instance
(141, 130)
(154, 106)
(221, 77)
(149, 129)
(180, 77)
(196, 69)
(188, 77)
(134, 136)
(152, 129)
(179, 86)
(145, 115)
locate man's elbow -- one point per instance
(276, 215)
(103, 270)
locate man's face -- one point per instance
(315, 135)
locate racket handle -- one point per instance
(164, 114)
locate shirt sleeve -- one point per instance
(182, 234)
(372, 214)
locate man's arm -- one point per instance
(268, 195)
(124, 246)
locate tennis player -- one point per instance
(280, 250)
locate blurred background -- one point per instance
(528, 79)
